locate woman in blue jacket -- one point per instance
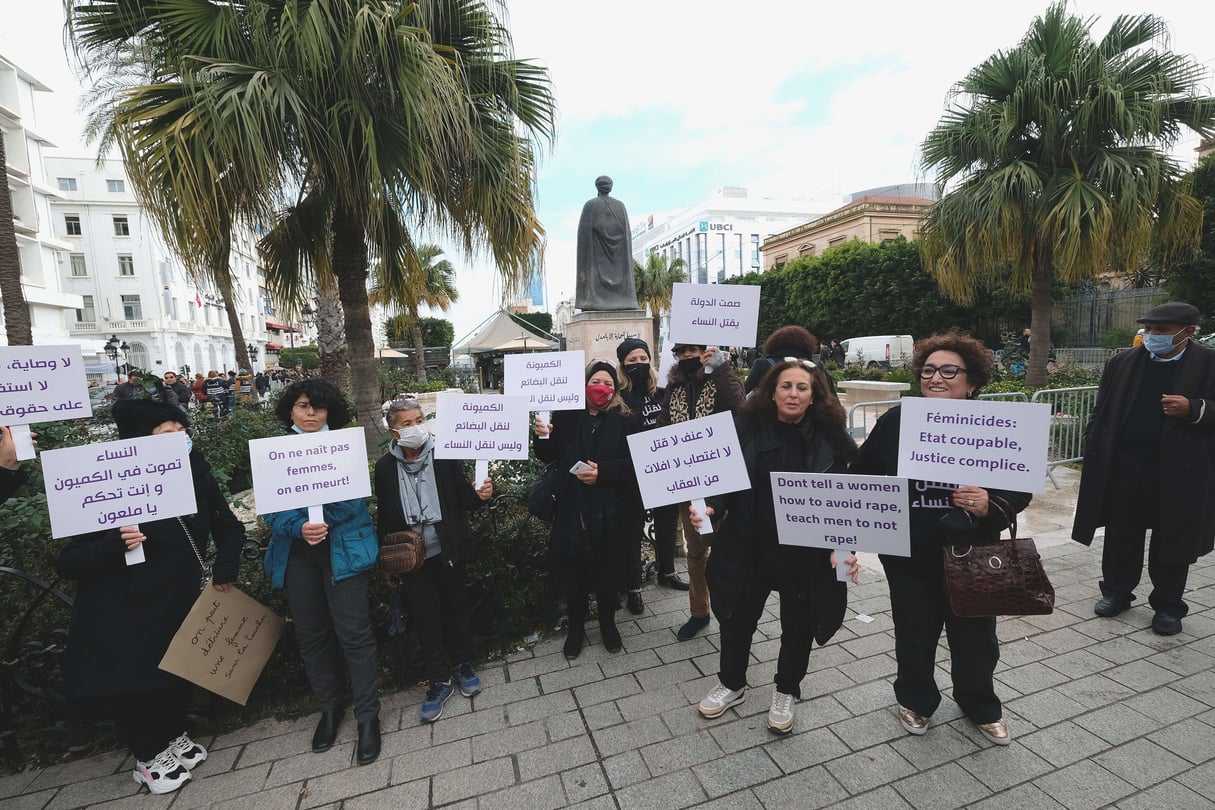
(326, 570)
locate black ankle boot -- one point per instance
(607, 629)
(573, 642)
(326, 730)
(369, 742)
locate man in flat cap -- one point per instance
(1149, 463)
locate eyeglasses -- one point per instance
(946, 372)
(800, 362)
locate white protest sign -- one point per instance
(122, 483)
(481, 426)
(715, 315)
(42, 384)
(845, 513)
(309, 469)
(551, 381)
(977, 442)
(694, 459)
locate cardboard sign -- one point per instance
(694, 459)
(224, 643)
(551, 381)
(481, 426)
(715, 314)
(122, 483)
(42, 384)
(984, 443)
(845, 513)
(309, 469)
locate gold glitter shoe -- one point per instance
(914, 722)
(997, 732)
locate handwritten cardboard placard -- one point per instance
(309, 469)
(481, 426)
(845, 513)
(715, 314)
(694, 459)
(42, 384)
(551, 381)
(121, 483)
(977, 442)
(224, 643)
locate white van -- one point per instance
(879, 351)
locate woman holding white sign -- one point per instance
(325, 569)
(792, 423)
(950, 366)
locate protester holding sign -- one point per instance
(792, 424)
(415, 491)
(125, 615)
(325, 569)
(588, 552)
(950, 366)
(701, 384)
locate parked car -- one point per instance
(879, 351)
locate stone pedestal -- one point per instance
(599, 333)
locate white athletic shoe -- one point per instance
(164, 774)
(719, 699)
(188, 752)
(780, 716)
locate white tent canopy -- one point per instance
(502, 333)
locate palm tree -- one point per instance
(655, 282)
(373, 116)
(17, 325)
(1054, 157)
(427, 283)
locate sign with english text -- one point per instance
(551, 381)
(845, 513)
(715, 314)
(120, 483)
(974, 442)
(42, 384)
(304, 470)
(482, 426)
(694, 459)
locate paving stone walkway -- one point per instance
(1104, 714)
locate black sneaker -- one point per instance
(691, 627)
(636, 605)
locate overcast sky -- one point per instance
(673, 99)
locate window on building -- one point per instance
(79, 268)
(121, 226)
(87, 311)
(67, 183)
(132, 309)
(174, 308)
(126, 264)
(115, 186)
(71, 224)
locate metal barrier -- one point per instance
(1007, 396)
(859, 431)
(1090, 359)
(1071, 409)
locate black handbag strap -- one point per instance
(1010, 517)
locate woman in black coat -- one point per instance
(589, 552)
(125, 615)
(950, 366)
(792, 423)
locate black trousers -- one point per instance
(920, 609)
(796, 634)
(332, 623)
(664, 518)
(148, 721)
(438, 609)
(1134, 508)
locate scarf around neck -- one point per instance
(416, 485)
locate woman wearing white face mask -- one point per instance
(415, 491)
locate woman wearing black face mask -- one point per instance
(640, 391)
(588, 552)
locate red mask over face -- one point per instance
(599, 395)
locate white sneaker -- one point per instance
(719, 699)
(188, 752)
(780, 716)
(164, 774)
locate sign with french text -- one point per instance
(42, 384)
(481, 426)
(309, 469)
(694, 459)
(551, 381)
(715, 314)
(986, 443)
(224, 643)
(845, 513)
(120, 483)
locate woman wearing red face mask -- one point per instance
(588, 552)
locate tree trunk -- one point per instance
(1041, 304)
(224, 282)
(16, 311)
(350, 268)
(419, 345)
(331, 335)
(657, 318)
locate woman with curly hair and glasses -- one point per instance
(950, 366)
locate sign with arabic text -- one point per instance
(842, 512)
(122, 483)
(481, 426)
(715, 314)
(551, 381)
(309, 469)
(694, 459)
(42, 384)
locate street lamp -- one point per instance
(112, 348)
(249, 347)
